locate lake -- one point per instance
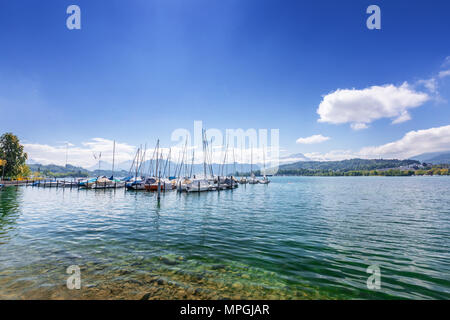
(297, 238)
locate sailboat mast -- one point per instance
(264, 160)
(234, 163)
(192, 163)
(204, 152)
(251, 160)
(114, 153)
(137, 162)
(170, 153)
(67, 152)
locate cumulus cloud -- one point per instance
(361, 107)
(411, 144)
(317, 138)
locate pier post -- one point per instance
(159, 190)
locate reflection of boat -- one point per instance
(1, 186)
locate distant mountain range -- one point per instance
(434, 157)
(291, 162)
(294, 158)
(71, 171)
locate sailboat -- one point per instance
(198, 185)
(243, 180)
(105, 182)
(252, 179)
(201, 185)
(264, 180)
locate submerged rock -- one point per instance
(218, 266)
(168, 261)
(237, 286)
(146, 296)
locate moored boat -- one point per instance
(198, 185)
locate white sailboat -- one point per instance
(252, 179)
(264, 180)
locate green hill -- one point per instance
(53, 170)
(348, 165)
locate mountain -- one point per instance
(53, 168)
(347, 165)
(71, 171)
(294, 158)
(439, 159)
(434, 157)
(31, 161)
(104, 165)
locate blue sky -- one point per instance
(137, 70)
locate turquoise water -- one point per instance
(297, 238)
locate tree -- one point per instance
(12, 151)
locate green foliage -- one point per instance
(349, 165)
(12, 151)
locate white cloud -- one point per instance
(444, 74)
(413, 143)
(361, 107)
(79, 155)
(430, 84)
(446, 62)
(317, 138)
(358, 126)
